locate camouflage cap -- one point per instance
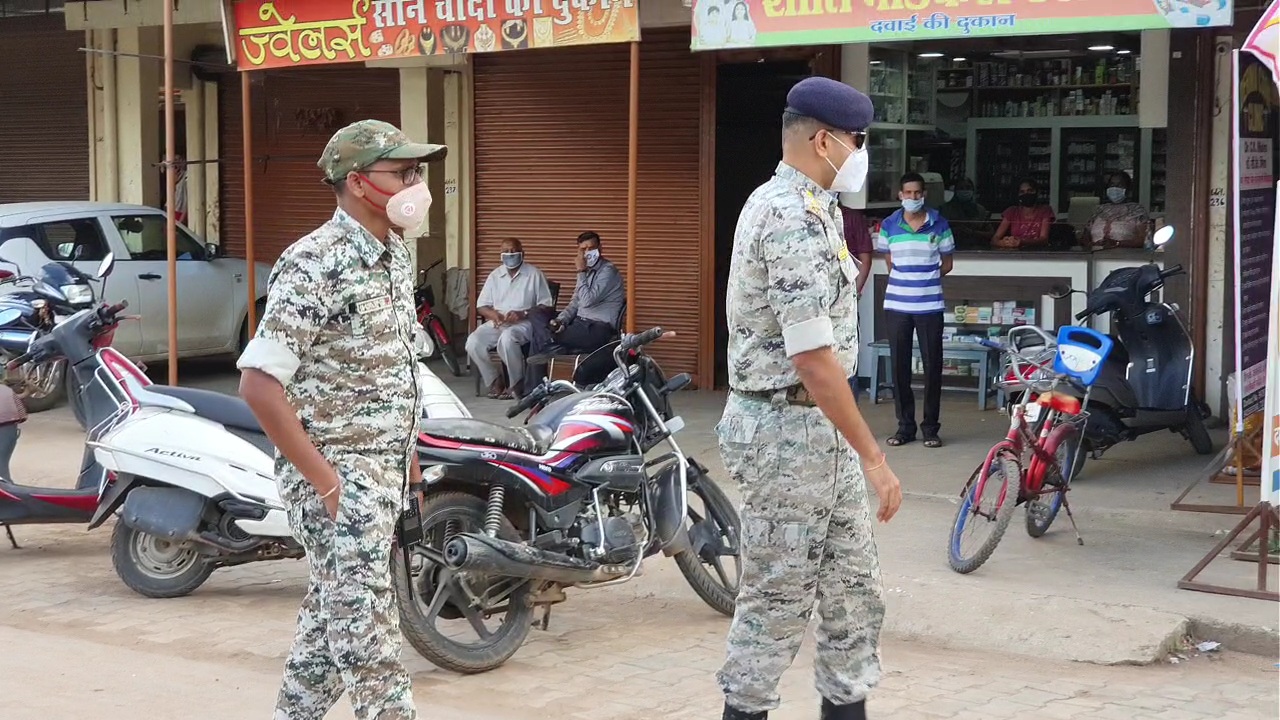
(361, 144)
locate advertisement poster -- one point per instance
(1270, 485)
(1255, 127)
(767, 23)
(286, 33)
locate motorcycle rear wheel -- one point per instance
(444, 348)
(44, 385)
(156, 568)
(705, 571)
(445, 514)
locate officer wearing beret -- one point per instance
(791, 434)
(331, 375)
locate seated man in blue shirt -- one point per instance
(591, 318)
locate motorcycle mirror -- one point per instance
(106, 266)
(1057, 292)
(9, 315)
(1162, 236)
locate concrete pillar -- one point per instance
(105, 92)
(139, 82)
(458, 114)
(193, 100)
(1219, 351)
(414, 106)
(212, 171)
(855, 71)
(1153, 85)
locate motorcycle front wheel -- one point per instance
(716, 538)
(43, 385)
(442, 610)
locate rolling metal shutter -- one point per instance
(44, 117)
(551, 162)
(295, 112)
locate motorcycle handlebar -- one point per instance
(1175, 270)
(527, 401)
(631, 342)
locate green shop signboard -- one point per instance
(769, 23)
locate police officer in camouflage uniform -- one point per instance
(791, 434)
(330, 374)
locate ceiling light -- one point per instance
(1123, 52)
(875, 62)
(958, 59)
(931, 55)
(1102, 48)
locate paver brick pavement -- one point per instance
(643, 650)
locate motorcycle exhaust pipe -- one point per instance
(491, 556)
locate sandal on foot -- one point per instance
(898, 439)
(933, 442)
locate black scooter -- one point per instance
(1145, 384)
(58, 292)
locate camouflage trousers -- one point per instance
(807, 536)
(348, 633)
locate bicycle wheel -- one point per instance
(984, 506)
(1043, 509)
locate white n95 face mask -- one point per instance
(852, 173)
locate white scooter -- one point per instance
(192, 477)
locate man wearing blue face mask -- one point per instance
(510, 293)
(917, 245)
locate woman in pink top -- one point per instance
(1027, 223)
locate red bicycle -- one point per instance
(1035, 462)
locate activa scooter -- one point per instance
(27, 504)
(1145, 384)
(194, 483)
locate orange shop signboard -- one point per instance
(284, 33)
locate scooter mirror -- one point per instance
(1162, 236)
(106, 266)
(1057, 292)
(9, 315)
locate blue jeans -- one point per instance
(855, 387)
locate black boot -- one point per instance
(733, 713)
(852, 711)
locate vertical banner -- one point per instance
(1253, 150)
(1270, 484)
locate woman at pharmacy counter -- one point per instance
(970, 222)
(1118, 222)
(1026, 224)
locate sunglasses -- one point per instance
(859, 137)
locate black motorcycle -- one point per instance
(57, 293)
(1145, 384)
(514, 515)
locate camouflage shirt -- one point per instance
(791, 283)
(338, 333)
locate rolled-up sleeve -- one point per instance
(297, 308)
(798, 286)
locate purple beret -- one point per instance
(831, 103)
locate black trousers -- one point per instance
(579, 336)
(927, 328)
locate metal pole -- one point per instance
(170, 182)
(633, 154)
(246, 125)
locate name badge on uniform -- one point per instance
(365, 312)
(843, 254)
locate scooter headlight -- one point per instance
(78, 294)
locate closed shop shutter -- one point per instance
(295, 112)
(551, 162)
(44, 120)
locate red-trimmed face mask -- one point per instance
(406, 209)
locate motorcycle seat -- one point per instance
(223, 409)
(531, 440)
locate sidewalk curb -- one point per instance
(1237, 637)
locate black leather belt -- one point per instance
(795, 395)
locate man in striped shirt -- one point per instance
(917, 245)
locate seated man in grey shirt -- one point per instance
(592, 317)
(511, 293)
